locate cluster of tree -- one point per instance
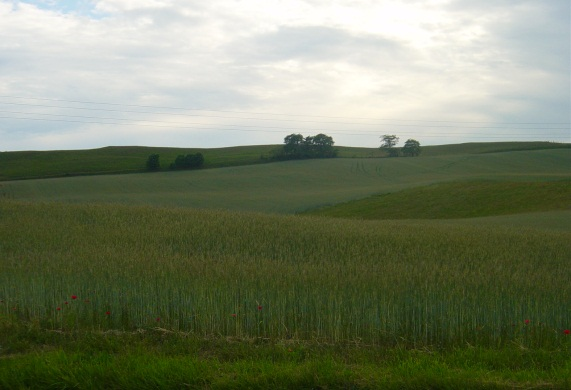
(190, 161)
(296, 146)
(411, 147)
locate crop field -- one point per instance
(253, 275)
(444, 271)
(295, 186)
(129, 159)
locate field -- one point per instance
(294, 186)
(122, 159)
(447, 271)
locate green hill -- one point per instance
(130, 159)
(115, 159)
(459, 199)
(295, 186)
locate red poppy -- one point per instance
(158, 319)
(526, 322)
(74, 297)
(58, 309)
(259, 307)
(107, 313)
(66, 303)
(567, 331)
(233, 315)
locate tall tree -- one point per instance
(411, 148)
(323, 146)
(153, 163)
(388, 142)
(292, 143)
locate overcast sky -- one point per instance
(81, 74)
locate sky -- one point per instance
(83, 74)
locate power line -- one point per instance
(254, 126)
(341, 132)
(249, 112)
(249, 118)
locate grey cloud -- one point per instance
(526, 32)
(316, 43)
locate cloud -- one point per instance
(320, 65)
(316, 43)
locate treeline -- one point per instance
(296, 147)
(190, 161)
(411, 147)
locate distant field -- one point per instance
(129, 159)
(117, 159)
(295, 186)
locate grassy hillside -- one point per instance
(35, 164)
(294, 186)
(115, 159)
(459, 199)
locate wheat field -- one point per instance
(249, 275)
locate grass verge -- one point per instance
(156, 358)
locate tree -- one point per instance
(388, 143)
(411, 148)
(323, 145)
(292, 143)
(190, 161)
(153, 163)
(296, 146)
(195, 160)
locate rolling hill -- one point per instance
(453, 264)
(298, 186)
(131, 159)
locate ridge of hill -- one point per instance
(132, 159)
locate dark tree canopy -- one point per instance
(292, 143)
(298, 147)
(388, 141)
(411, 148)
(190, 161)
(153, 163)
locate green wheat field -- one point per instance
(448, 270)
